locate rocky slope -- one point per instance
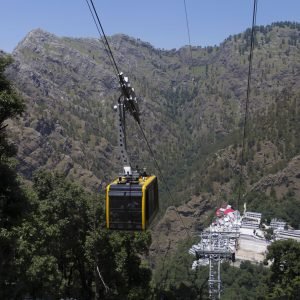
(70, 90)
(190, 110)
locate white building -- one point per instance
(277, 224)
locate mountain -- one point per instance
(192, 113)
(70, 91)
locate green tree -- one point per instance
(175, 279)
(118, 256)
(285, 269)
(11, 105)
(64, 249)
(51, 245)
(12, 199)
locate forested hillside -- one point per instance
(70, 90)
(53, 243)
(192, 113)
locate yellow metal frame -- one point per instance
(145, 184)
(107, 206)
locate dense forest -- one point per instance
(53, 242)
(54, 245)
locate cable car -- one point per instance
(131, 204)
(132, 199)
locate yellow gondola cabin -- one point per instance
(131, 205)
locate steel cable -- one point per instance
(247, 100)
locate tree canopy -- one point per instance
(12, 199)
(285, 269)
(62, 249)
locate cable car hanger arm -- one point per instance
(129, 98)
(126, 102)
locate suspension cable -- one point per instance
(247, 100)
(188, 31)
(116, 70)
(101, 37)
(101, 32)
(115, 66)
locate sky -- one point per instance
(159, 22)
